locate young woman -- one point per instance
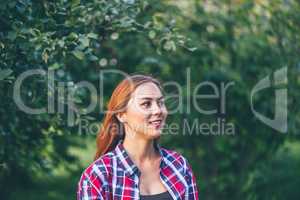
(129, 162)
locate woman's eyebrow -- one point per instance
(150, 98)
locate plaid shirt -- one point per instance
(114, 176)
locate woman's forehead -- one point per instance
(147, 90)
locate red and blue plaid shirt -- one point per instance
(114, 176)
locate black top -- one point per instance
(161, 196)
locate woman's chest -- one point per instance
(150, 182)
(124, 186)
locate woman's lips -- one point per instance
(156, 123)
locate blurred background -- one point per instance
(189, 42)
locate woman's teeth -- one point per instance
(156, 122)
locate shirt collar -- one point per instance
(126, 162)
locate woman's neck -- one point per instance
(140, 150)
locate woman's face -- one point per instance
(146, 112)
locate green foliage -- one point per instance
(52, 35)
(240, 42)
(278, 177)
(218, 41)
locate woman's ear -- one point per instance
(121, 117)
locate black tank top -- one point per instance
(161, 196)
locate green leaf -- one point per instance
(78, 54)
(5, 73)
(75, 2)
(54, 66)
(61, 43)
(147, 24)
(192, 49)
(92, 35)
(152, 34)
(85, 41)
(170, 46)
(73, 36)
(93, 58)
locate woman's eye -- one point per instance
(160, 103)
(146, 104)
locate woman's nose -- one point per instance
(156, 109)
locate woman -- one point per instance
(129, 162)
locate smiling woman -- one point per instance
(129, 162)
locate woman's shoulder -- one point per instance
(100, 167)
(175, 157)
(95, 178)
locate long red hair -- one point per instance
(112, 130)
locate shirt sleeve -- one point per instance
(92, 187)
(192, 192)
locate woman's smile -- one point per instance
(157, 124)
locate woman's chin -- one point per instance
(154, 134)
